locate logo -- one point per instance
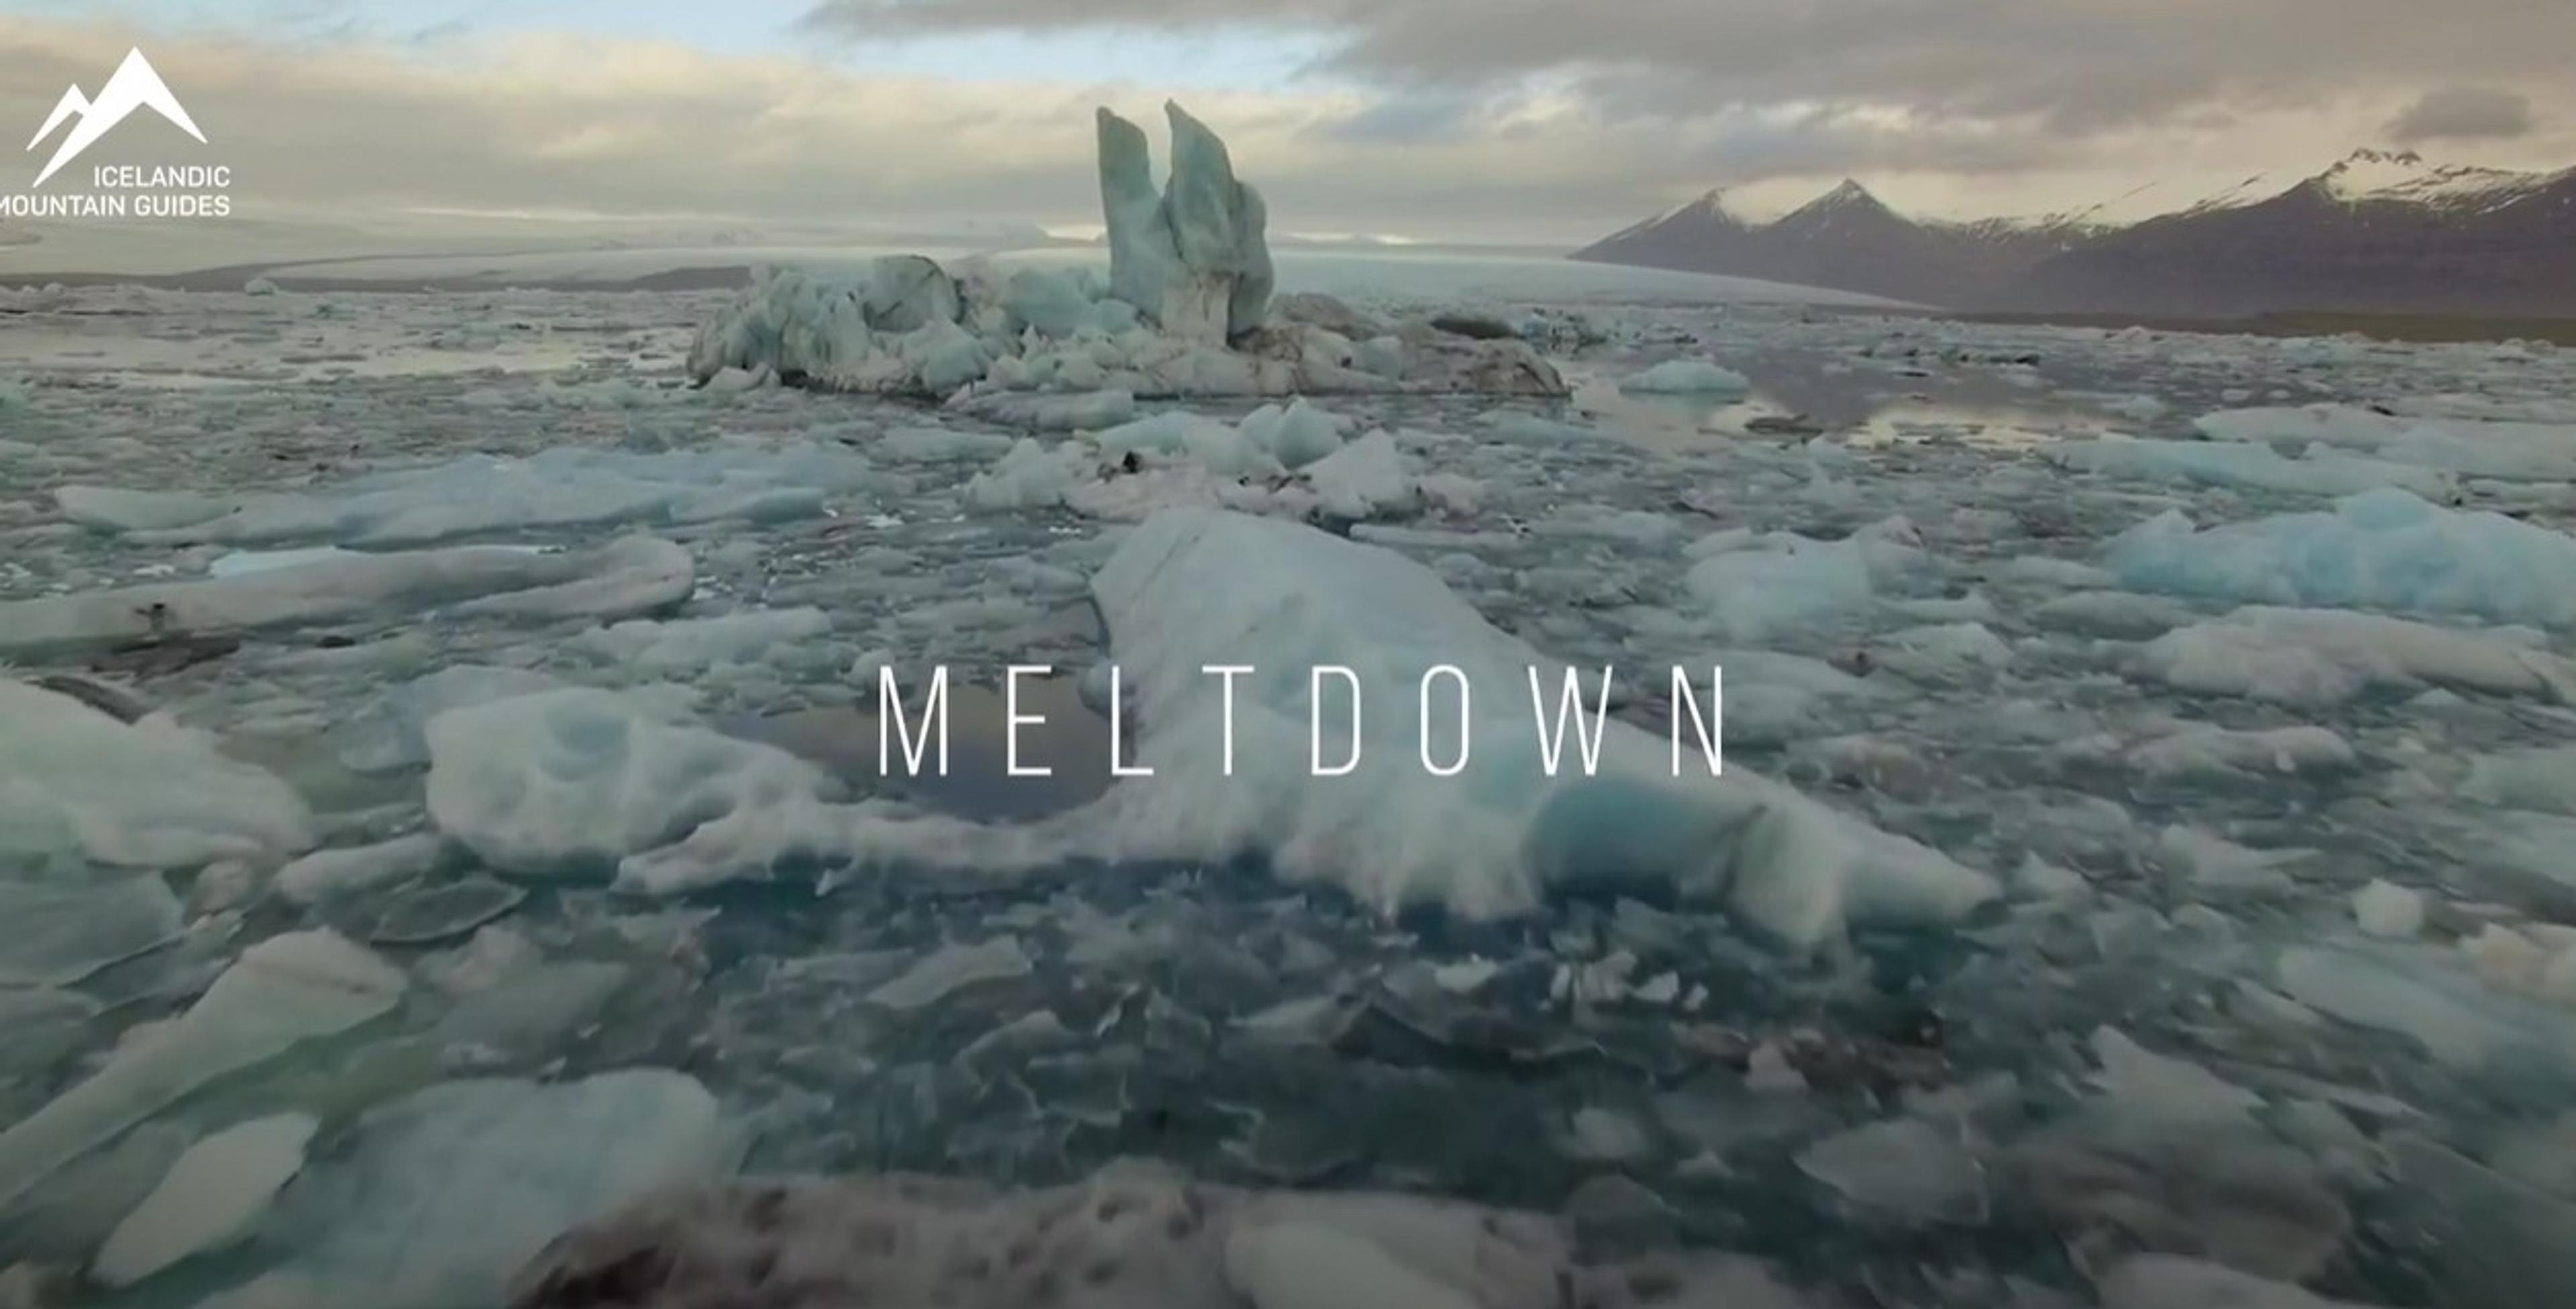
(160, 191)
(136, 85)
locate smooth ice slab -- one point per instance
(566, 486)
(630, 576)
(2381, 550)
(2247, 467)
(210, 1198)
(59, 932)
(449, 1190)
(282, 991)
(152, 794)
(2164, 1281)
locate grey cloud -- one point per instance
(1407, 119)
(2463, 113)
(2072, 69)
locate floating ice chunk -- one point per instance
(1688, 377)
(2380, 993)
(566, 486)
(581, 780)
(2388, 911)
(633, 575)
(1791, 581)
(938, 445)
(693, 646)
(212, 1197)
(61, 932)
(114, 509)
(39, 1025)
(2215, 862)
(1945, 648)
(1295, 436)
(2148, 1085)
(1364, 479)
(144, 795)
(244, 563)
(429, 915)
(1293, 1265)
(2328, 424)
(2326, 656)
(951, 969)
(2165, 1281)
(2381, 550)
(1054, 413)
(1189, 590)
(2528, 452)
(282, 991)
(2203, 750)
(1031, 476)
(2493, 1241)
(1904, 1168)
(2542, 779)
(2248, 467)
(326, 873)
(451, 1189)
(389, 736)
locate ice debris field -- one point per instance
(444, 862)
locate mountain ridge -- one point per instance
(2376, 231)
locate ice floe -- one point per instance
(76, 782)
(2381, 550)
(285, 990)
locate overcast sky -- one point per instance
(1536, 120)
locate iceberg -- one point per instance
(1196, 259)
(1194, 589)
(1184, 311)
(283, 991)
(2384, 549)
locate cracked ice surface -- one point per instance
(2273, 1006)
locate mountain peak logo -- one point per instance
(135, 85)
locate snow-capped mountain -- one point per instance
(2377, 231)
(1846, 238)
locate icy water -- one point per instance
(2280, 974)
